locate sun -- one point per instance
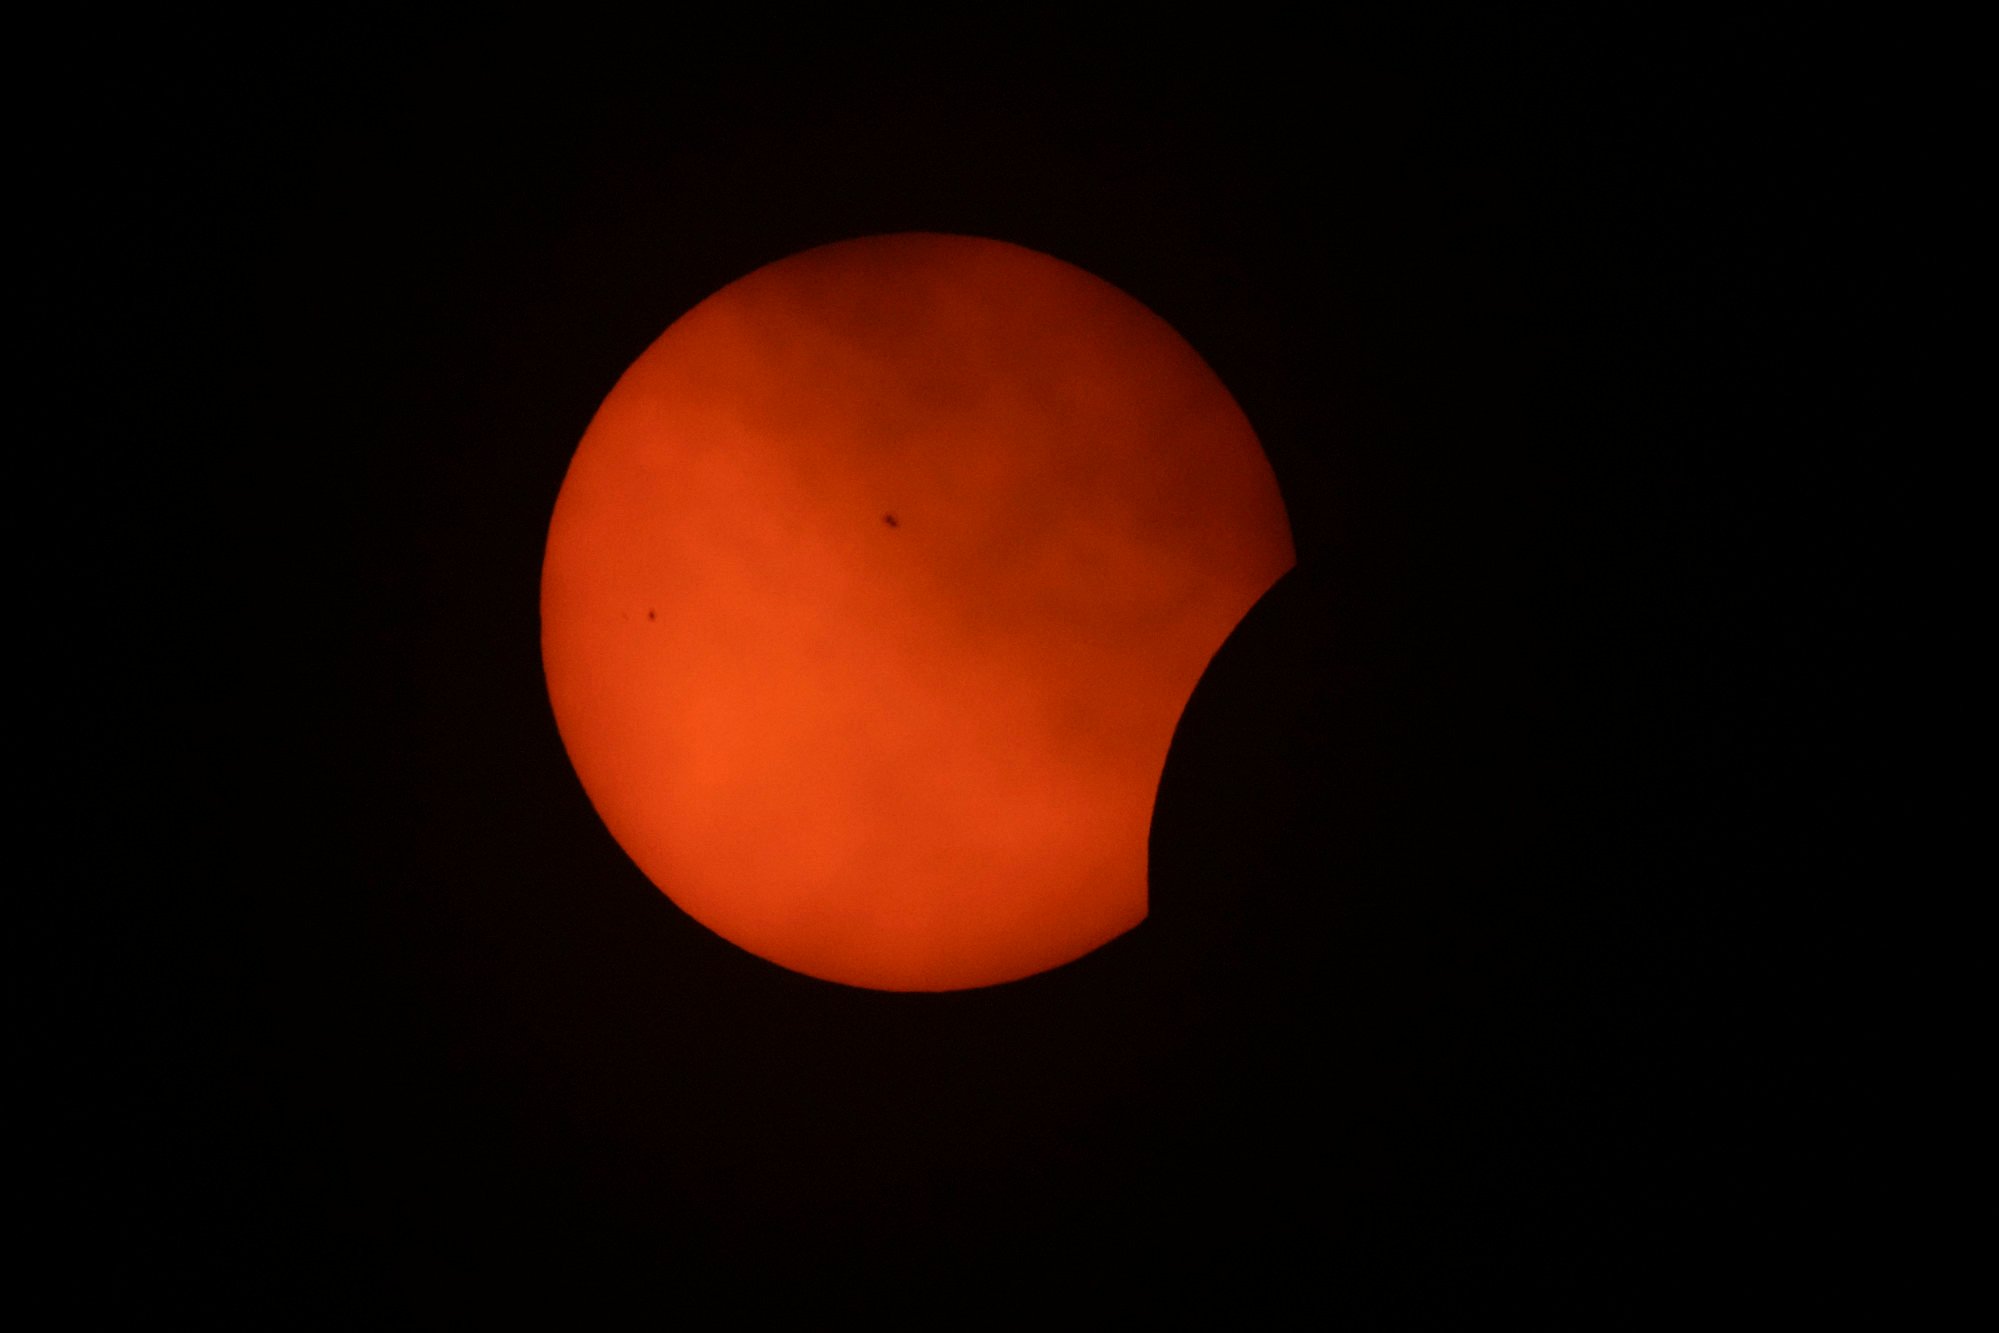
(873, 595)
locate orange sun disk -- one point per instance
(873, 595)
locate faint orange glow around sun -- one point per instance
(873, 595)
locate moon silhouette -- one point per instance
(873, 595)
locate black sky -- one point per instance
(1497, 860)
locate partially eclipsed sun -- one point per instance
(873, 595)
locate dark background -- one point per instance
(1500, 864)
